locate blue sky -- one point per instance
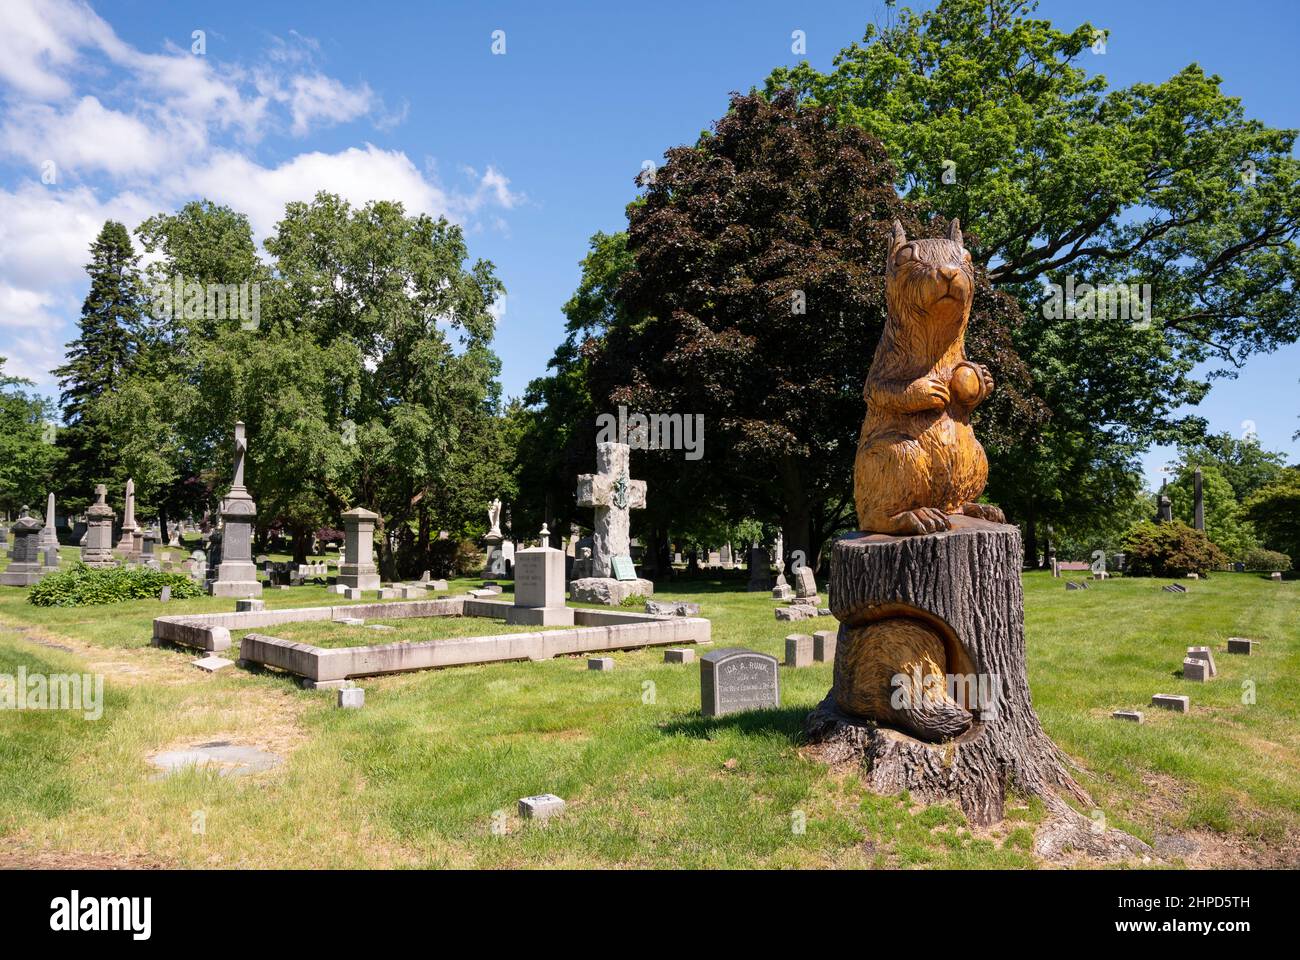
(532, 151)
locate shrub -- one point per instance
(1169, 550)
(1266, 561)
(633, 600)
(80, 586)
(455, 558)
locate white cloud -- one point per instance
(87, 137)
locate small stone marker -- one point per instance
(799, 650)
(387, 593)
(411, 593)
(1193, 576)
(1133, 716)
(1175, 588)
(541, 807)
(352, 698)
(824, 646)
(679, 655)
(380, 626)
(337, 588)
(1169, 701)
(1197, 670)
(351, 593)
(249, 605)
(600, 663)
(166, 594)
(1241, 645)
(425, 577)
(797, 611)
(672, 608)
(1076, 585)
(1204, 653)
(349, 621)
(1276, 576)
(735, 679)
(212, 664)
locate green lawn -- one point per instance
(428, 773)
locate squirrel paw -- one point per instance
(984, 511)
(919, 521)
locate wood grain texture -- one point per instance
(918, 460)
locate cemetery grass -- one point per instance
(429, 772)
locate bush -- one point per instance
(1266, 561)
(1169, 550)
(455, 558)
(80, 586)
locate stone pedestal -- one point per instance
(539, 589)
(359, 572)
(607, 590)
(25, 561)
(126, 542)
(496, 559)
(97, 549)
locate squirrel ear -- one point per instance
(954, 231)
(898, 238)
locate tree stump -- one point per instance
(964, 583)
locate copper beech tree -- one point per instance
(752, 291)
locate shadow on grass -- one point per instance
(785, 722)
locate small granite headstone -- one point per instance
(165, 594)
(799, 650)
(352, 698)
(541, 807)
(1204, 653)
(1076, 584)
(824, 645)
(1133, 716)
(1276, 576)
(679, 655)
(600, 663)
(1241, 645)
(1170, 701)
(735, 679)
(1175, 588)
(1197, 670)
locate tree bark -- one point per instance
(964, 584)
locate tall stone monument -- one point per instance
(49, 536)
(237, 575)
(25, 566)
(126, 542)
(1198, 517)
(97, 549)
(930, 690)
(359, 571)
(613, 494)
(496, 560)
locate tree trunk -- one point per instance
(964, 585)
(796, 517)
(1031, 539)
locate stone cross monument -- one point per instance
(97, 549)
(613, 494)
(1198, 520)
(237, 575)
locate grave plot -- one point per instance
(441, 627)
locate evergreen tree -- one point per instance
(98, 361)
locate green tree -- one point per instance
(989, 116)
(29, 460)
(1246, 465)
(1275, 512)
(98, 362)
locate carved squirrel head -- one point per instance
(930, 281)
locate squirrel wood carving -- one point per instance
(918, 460)
(918, 463)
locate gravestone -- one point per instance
(734, 679)
(725, 557)
(97, 550)
(679, 655)
(541, 807)
(359, 572)
(539, 589)
(1174, 588)
(24, 568)
(496, 561)
(1206, 654)
(126, 542)
(799, 650)
(613, 495)
(782, 589)
(1198, 508)
(237, 576)
(600, 663)
(760, 577)
(1133, 716)
(148, 541)
(1197, 670)
(1276, 576)
(1170, 701)
(824, 645)
(49, 538)
(1241, 645)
